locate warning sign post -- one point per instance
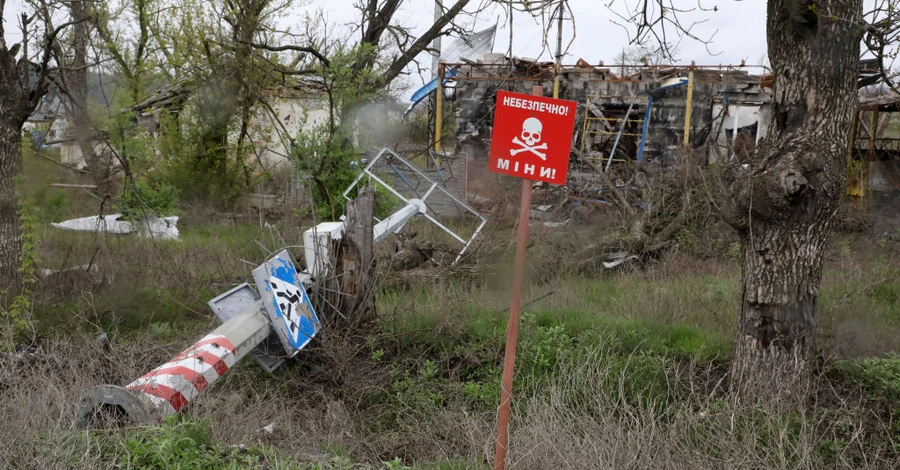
(532, 136)
(531, 139)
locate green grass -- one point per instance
(586, 309)
(612, 357)
(464, 330)
(184, 444)
(141, 281)
(879, 375)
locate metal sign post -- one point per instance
(283, 311)
(549, 144)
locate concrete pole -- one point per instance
(558, 67)
(438, 74)
(172, 386)
(436, 44)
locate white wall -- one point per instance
(289, 116)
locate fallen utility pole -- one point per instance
(170, 387)
(278, 311)
(273, 321)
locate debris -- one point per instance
(163, 228)
(72, 280)
(77, 186)
(617, 259)
(557, 224)
(49, 272)
(580, 200)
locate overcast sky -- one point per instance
(737, 29)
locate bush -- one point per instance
(181, 444)
(142, 197)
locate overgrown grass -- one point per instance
(614, 370)
(585, 309)
(134, 282)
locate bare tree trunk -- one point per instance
(775, 344)
(355, 265)
(76, 83)
(787, 201)
(10, 223)
(23, 83)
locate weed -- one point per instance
(162, 330)
(395, 464)
(482, 395)
(377, 355)
(19, 316)
(414, 393)
(181, 444)
(881, 375)
(543, 347)
(143, 198)
(428, 371)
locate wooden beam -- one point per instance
(68, 185)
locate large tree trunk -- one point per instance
(10, 229)
(99, 165)
(22, 85)
(787, 200)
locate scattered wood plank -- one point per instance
(70, 185)
(68, 167)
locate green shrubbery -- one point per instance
(879, 375)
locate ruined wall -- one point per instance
(712, 92)
(475, 96)
(477, 85)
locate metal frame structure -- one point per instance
(434, 187)
(615, 124)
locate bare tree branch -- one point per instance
(424, 40)
(309, 50)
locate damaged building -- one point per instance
(635, 113)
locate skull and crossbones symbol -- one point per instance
(531, 135)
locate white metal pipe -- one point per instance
(397, 220)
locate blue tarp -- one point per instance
(428, 89)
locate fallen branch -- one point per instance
(66, 166)
(69, 185)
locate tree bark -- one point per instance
(77, 85)
(10, 223)
(355, 264)
(22, 85)
(786, 202)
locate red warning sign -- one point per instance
(532, 136)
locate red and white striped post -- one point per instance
(284, 308)
(169, 388)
